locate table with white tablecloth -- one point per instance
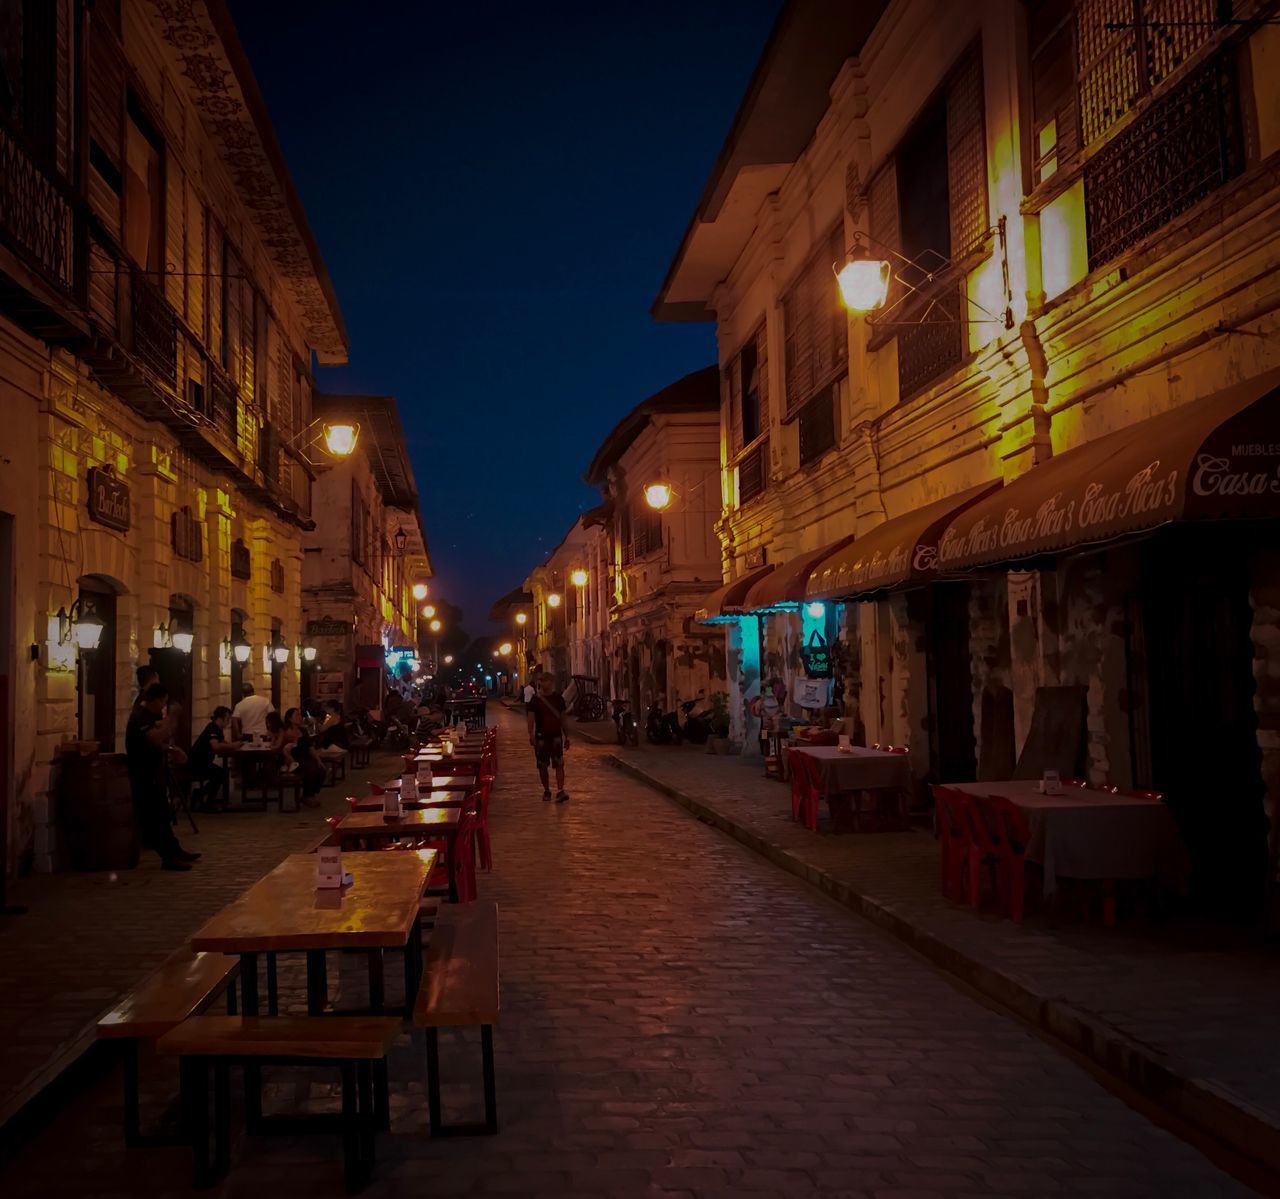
(1090, 834)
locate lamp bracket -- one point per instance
(928, 273)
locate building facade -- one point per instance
(161, 304)
(364, 557)
(990, 482)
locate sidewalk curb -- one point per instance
(1202, 1103)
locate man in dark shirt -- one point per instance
(146, 744)
(203, 764)
(547, 735)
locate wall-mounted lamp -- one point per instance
(553, 600)
(340, 438)
(182, 641)
(419, 591)
(280, 652)
(579, 577)
(81, 626)
(428, 611)
(522, 617)
(863, 281)
(401, 539)
(241, 649)
(658, 496)
(435, 626)
(308, 652)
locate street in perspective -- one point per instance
(664, 601)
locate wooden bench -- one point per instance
(358, 1045)
(185, 985)
(460, 989)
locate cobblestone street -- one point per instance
(680, 1017)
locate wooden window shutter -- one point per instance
(106, 97)
(762, 368)
(797, 323)
(733, 392)
(967, 156)
(1055, 122)
(882, 216)
(231, 321)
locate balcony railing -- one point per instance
(155, 330)
(1185, 147)
(34, 215)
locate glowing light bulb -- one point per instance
(864, 284)
(658, 495)
(340, 438)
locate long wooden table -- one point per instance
(433, 822)
(439, 782)
(284, 912)
(431, 799)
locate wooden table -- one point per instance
(439, 782)
(284, 912)
(253, 763)
(1090, 834)
(432, 799)
(433, 822)
(858, 768)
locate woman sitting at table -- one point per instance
(202, 763)
(333, 729)
(298, 746)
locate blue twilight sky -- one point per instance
(497, 190)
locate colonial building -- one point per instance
(364, 558)
(1000, 481)
(161, 304)
(656, 556)
(557, 634)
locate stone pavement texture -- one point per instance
(681, 1018)
(87, 938)
(1184, 1009)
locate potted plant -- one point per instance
(718, 741)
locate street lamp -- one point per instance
(419, 591)
(435, 626)
(863, 282)
(505, 647)
(401, 539)
(579, 577)
(448, 659)
(182, 642)
(428, 611)
(308, 653)
(522, 617)
(553, 600)
(241, 649)
(340, 438)
(81, 626)
(658, 496)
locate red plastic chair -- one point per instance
(463, 861)
(375, 789)
(1013, 836)
(483, 843)
(984, 848)
(805, 775)
(953, 830)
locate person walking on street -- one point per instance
(547, 735)
(147, 746)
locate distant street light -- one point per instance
(521, 617)
(553, 600)
(505, 647)
(435, 626)
(448, 659)
(428, 611)
(340, 438)
(419, 591)
(579, 577)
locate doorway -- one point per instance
(1196, 735)
(96, 668)
(949, 668)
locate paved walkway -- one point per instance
(680, 1018)
(1184, 1010)
(87, 938)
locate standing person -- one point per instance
(530, 689)
(146, 675)
(147, 744)
(202, 760)
(547, 735)
(250, 716)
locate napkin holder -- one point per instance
(329, 875)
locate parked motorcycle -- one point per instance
(625, 723)
(661, 728)
(697, 725)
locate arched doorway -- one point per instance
(96, 668)
(238, 637)
(173, 663)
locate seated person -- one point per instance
(203, 764)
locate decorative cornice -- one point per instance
(205, 52)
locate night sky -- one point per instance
(497, 191)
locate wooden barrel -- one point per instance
(95, 806)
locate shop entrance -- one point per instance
(952, 747)
(1195, 730)
(96, 670)
(173, 664)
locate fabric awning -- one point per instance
(787, 586)
(725, 603)
(1213, 459)
(897, 553)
